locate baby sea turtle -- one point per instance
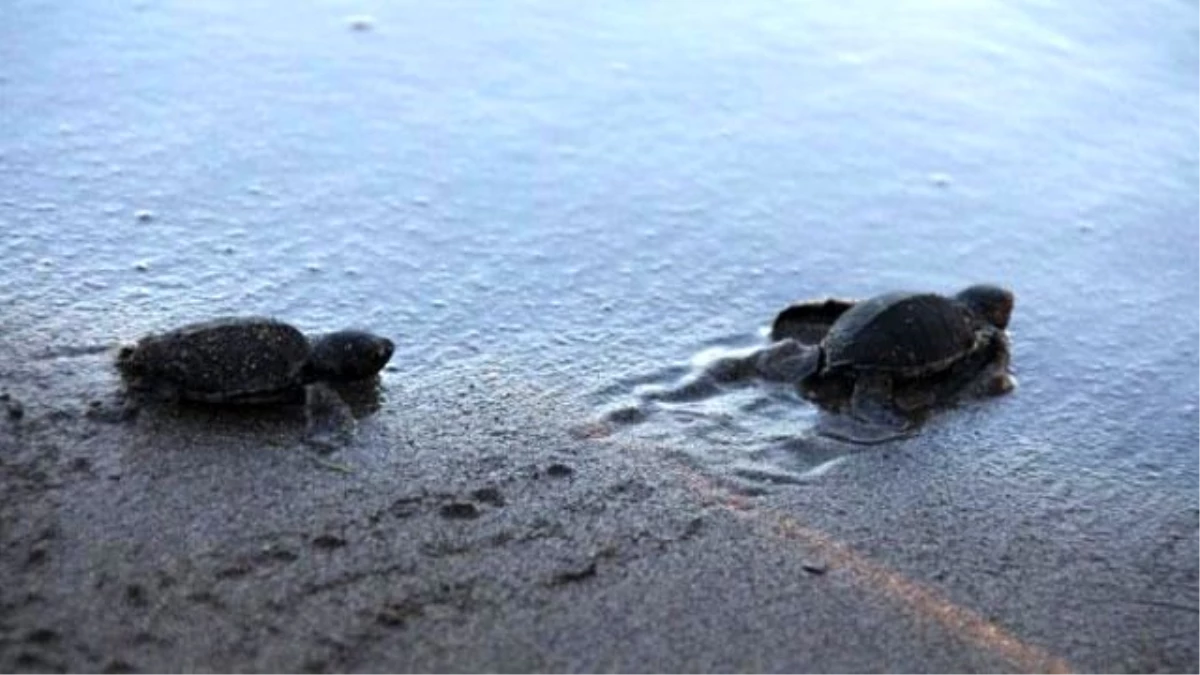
(899, 351)
(252, 360)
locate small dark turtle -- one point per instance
(898, 351)
(250, 360)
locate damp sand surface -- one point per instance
(554, 211)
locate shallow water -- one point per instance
(588, 198)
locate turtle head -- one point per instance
(991, 303)
(348, 355)
(130, 362)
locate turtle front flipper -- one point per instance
(329, 423)
(915, 399)
(999, 384)
(997, 379)
(872, 419)
(853, 430)
(985, 372)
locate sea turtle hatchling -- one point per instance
(253, 360)
(897, 352)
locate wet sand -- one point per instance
(467, 533)
(482, 525)
(552, 209)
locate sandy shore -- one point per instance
(464, 533)
(548, 206)
(474, 525)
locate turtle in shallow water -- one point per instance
(895, 353)
(252, 360)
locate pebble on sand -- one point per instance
(814, 566)
(15, 409)
(360, 22)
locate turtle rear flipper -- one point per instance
(788, 361)
(808, 322)
(329, 423)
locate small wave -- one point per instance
(717, 413)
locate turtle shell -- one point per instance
(909, 334)
(242, 359)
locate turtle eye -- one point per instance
(1002, 314)
(384, 350)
